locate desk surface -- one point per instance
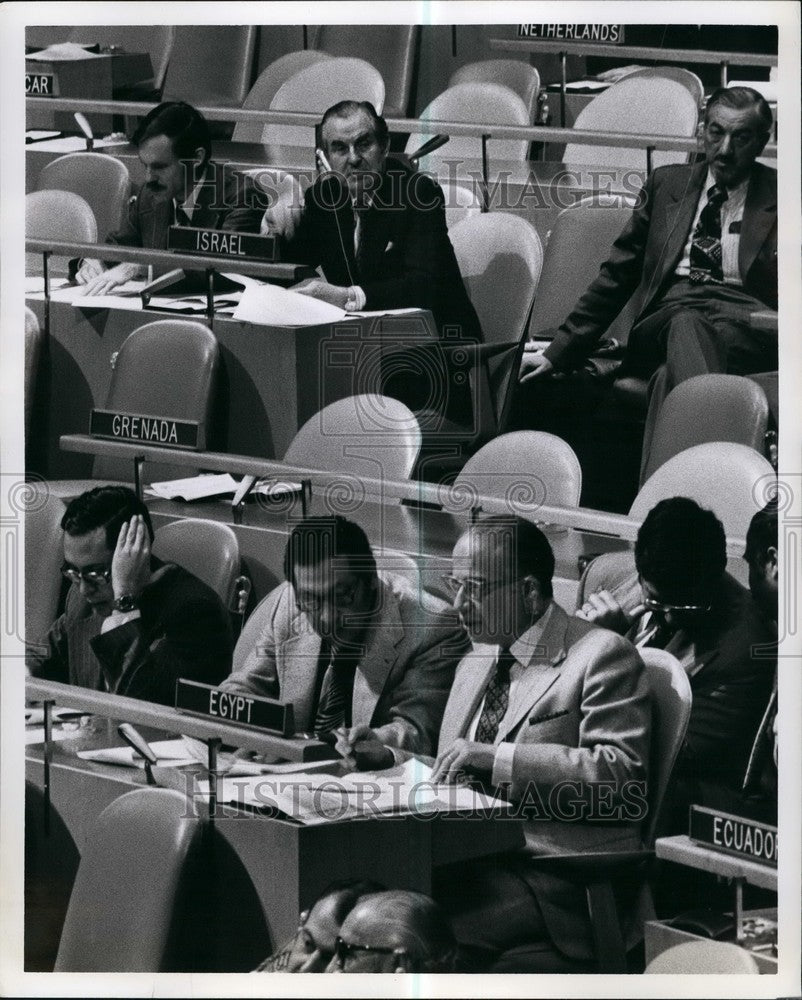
(684, 851)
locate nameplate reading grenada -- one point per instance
(39, 85)
(737, 835)
(222, 243)
(137, 428)
(264, 714)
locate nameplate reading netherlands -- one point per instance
(606, 34)
(39, 84)
(745, 838)
(222, 243)
(241, 709)
(139, 428)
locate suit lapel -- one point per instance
(760, 215)
(683, 198)
(470, 683)
(296, 666)
(381, 653)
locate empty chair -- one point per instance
(210, 64)
(155, 39)
(33, 348)
(102, 181)
(527, 468)
(391, 48)
(688, 79)
(367, 435)
(57, 216)
(43, 559)
(267, 86)
(703, 957)
(462, 202)
(516, 74)
(207, 549)
(708, 408)
(730, 479)
(651, 105)
(315, 89)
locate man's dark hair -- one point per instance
(527, 550)
(415, 922)
(344, 109)
(318, 538)
(762, 534)
(681, 550)
(182, 124)
(742, 98)
(106, 507)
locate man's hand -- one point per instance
(103, 282)
(603, 609)
(534, 364)
(462, 758)
(130, 565)
(335, 295)
(88, 271)
(282, 219)
(362, 749)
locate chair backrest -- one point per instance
(210, 64)
(315, 89)
(709, 408)
(267, 86)
(671, 710)
(651, 105)
(392, 49)
(164, 369)
(368, 435)
(43, 558)
(688, 79)
(126, 900)
(393, 562)
(59, 215)
(155, 39)
(256, 621)
(462, 202)
(34, 338)
(730, 479)
(102, 181)
(578, 245)
(207, 549)
(516, 74)
(703, 957)
(527, 468)
(479, 102)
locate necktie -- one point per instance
(334, 707)
(650, 633)
(497, 699)
(181, 217)
(705, 256)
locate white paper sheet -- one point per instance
(170, 753)
(270, 305)
(75, 144)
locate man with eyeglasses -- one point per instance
(132, 625)
(675, 594)
(350, 649)
(697, 257)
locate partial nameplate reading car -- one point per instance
(139, 428)
(39, 85)
(265, 714)
(222, 243)
(737, 835)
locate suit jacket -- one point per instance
(402, 679)
(581, 721)
(405, 255)
(183, 631)
(645, 255)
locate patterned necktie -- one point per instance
(705, 257)
(334, 708)
(497, 698)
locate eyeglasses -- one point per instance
(653, 605)
(342, 595)
(93, 576)
(344, 949)
(475, 590)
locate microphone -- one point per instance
(158, 284)
(140, 746)
(429, 146)
(86, 128)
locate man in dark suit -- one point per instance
(699, 255)
(183, 187)
(132, 624)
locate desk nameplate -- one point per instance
(40, 85)
(140, 428)
(222, 243)
(603, 34)
(264, 714)
(735, 835)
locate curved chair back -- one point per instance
(645, 105)
(57, 215)
(34, 338)
(730, 479)
(369, 435)
(528, 468)
(102, 181)
(479, 102)
(210, 64)
(207, 549)
(126, 901)
(689, 80)
(254, 624)
(519, 76)
(43, 559)
(267, 86)
(315, 89)
(462, 202)
(671, 710)
(393, 562)
(703, 957)
(155, 39)
(709, 408)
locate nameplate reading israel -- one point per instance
(745, 838)
(241, 709)
(605, 34)
(140, 428)
(39, 84)
(221, 243)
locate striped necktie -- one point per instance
(337, 691)
(497, 698)
(705, 258)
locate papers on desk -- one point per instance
(170, 753)
(128, 291)
(205, 486)
(38, 134)
(75, 144)
(35, 285)
(270, 305)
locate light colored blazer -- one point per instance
(402, 680)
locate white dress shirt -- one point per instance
(732, 213)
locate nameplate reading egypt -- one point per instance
(737, 835)
(222, 243)
(139, 428)
(244, 710)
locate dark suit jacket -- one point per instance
(183, 631)
(405, 256)
(645, 255)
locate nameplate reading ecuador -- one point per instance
(141, 429)
(222, 243)
(744, 838)
(243, 709)
(39, 84)
(609, 34)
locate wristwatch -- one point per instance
(126, 602)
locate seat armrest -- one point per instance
(592, 865)
(764, 319)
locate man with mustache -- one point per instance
(183, 187)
